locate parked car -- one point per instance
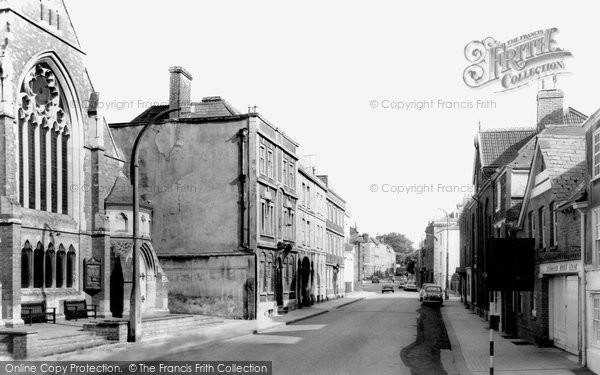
(387, 287)
(411, 285)
(375, 280)
(422, 291)
(433, 294)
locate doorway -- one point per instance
(305, 280)
(279, 282)
(116, 289)
(564, 315)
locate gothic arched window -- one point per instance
(44, 142)
(61, 262)
(38, 266)
(71, 267)
(26, 266)
(49, 266)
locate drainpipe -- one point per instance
(245, 240)
(582, 208)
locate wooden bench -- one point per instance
(39, 312)
(78, 309)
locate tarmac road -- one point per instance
(377, 335)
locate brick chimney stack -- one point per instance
(180, 88)
(549, 108)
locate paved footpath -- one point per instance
(163, 346)
(469, 336)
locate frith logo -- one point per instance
(515, 63)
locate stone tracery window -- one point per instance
(44, 144)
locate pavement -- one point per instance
(469, 337)
(170, 344)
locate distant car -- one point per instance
(402, 285)
(375, 280)
(410, 286)
(422, 291)
(387, 287)
(433, 294)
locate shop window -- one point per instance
(596, 319)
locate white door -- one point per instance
(572, 314)
(559, 309)
(565, 292)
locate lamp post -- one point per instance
(447, 252)
(135, 310)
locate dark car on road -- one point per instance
(375, 280)
(432, 294)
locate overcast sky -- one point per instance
(314, 68)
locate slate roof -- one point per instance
(121, 193)
(578, 194)
(524, 155)
(563, 150)
(498, 147)
(212, 106)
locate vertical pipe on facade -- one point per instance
(582, 317)
(244, 181)
(246, 160)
